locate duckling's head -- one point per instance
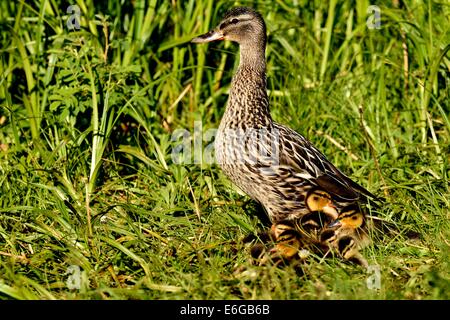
(319, 200)
(242, 25)
(349, 219)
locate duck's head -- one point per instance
(348, 219)
(241, 24)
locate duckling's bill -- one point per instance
(212, 35)
(336, 223)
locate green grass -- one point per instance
(87, 177)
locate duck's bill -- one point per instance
(335, 224)
(208, 37)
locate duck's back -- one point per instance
(278, 167)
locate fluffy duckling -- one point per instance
(293, 236)
(347, 235)
(289, 241)
(319, 200)
(290, 245)
(322, 212)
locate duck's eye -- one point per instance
(234, 21)
(354, 217)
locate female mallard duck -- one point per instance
(270, 162)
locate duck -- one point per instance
(270, 162)
(348, 235)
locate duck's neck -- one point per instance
(248, 103)
(253, 57)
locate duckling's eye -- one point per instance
(234, 21)
(354, 217)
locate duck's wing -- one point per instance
(298, 153)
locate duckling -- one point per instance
(289, 245)
(319, 200)
(271, 163)
(348, 234)
(304, 232)
(288, 240)
(312, 224)
(322, 212)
